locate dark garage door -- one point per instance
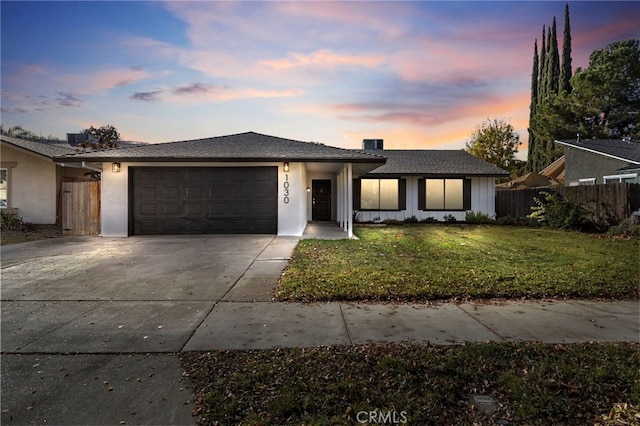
(204, 200)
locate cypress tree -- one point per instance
(542, 75)
(533, 105)
(566, 71)
(553, 62)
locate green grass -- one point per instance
(462, 262)
(533, 383)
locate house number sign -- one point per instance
(286, 188)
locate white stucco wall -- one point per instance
(482, 200)
(32, 185)
(115, 196)
(292, 214)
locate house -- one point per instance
(599, 161)
(255, 183)
(31, 180)
(425, 184)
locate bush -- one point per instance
(12, 222)
(412, 219)
(429, 220)
(478, 218)
(449, 218)
(557, 212)
(629, 227)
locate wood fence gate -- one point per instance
(80, 207)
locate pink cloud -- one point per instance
(324, 58)
(96, 82)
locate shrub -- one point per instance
(449, 218)
(478, 218)
(412, 219)
(557, 212)
(629, 227)
(429, 220)
(12, 222)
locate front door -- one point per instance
(321, 200)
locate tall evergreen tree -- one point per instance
(553, 62)
(565, 70)
(533, 105)
(542, 74)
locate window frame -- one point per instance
(402, 194)
(618, 178)
(422, 194)
(8, 175)
(586, 181)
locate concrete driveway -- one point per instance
(90, 326)
(140, 294)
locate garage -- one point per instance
(203, 200)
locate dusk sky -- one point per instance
(417, 74)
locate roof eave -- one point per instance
(432, 175)
(593, 151)
(28, 151)
(62, 159)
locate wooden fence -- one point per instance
(620, 199)
(80, 207)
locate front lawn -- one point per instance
(462, 262)
(532, 383)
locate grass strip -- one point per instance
(533, 383)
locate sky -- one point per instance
(420, 74)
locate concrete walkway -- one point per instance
(91, 327)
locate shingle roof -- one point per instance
(248, 146)
(614, 148)
(46, 148)
(434, 163)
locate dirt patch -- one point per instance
(30, 233)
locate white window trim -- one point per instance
(7, 170)
(620, 177)
(587, 181)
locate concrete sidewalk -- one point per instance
(92, 328)
(259, 325)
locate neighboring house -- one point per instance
(552, 175)
(254, 183)
(30, 180)
(598, 161)
(426, 184)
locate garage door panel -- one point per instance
(168, 175)
(170, 192)
(149, 209)
(204, 200)
(193, 209)
(171, 209)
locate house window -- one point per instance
(587, 181)
(4, 188)
(624, 178)
(379, 194)
(444, 194)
